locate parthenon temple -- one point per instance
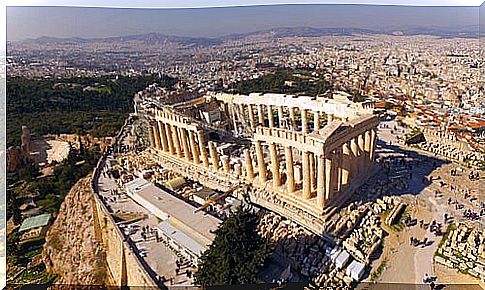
(298, 156)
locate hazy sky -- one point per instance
(32, 22)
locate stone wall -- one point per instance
(124, 266)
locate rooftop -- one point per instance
(196, 224)
(35, 222)
(181, 238)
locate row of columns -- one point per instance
(267, 114)
(325, 174)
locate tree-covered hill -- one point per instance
(72, 105)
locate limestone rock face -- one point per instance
(72, 249)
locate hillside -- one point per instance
(72, 249)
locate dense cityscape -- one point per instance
(323, 158)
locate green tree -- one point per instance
(236, 254)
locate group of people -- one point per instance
(430, 280)
(178, 270)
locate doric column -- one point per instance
(163, 134)
(292, 118)
(270, 117)
(237, 169)
(193, 146)
(280, 116)
(260, 114)
(354, 169)
(156, 135)
(275, 165)
(316, 121)
(345, 163)
(328, 178)
(321, 182)
(185, 144)
(290, 174)
(225, 163)
(203, 150)
(261, 162)
(373, 144)
(361, 146)
(176, 141)
(304, 123)
(329, 118)
(168, 131)
(242, 114)
(338, 169)
(367, 147)
(249, 165)
(313, 181)
(251, 116)
(307, 192)
(232, 109)
(151, 136)
(214, 155)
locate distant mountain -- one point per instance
(158, 38)
(464, 31)
(471, 31)
(149, 38)
(281, 32)
(53, 40)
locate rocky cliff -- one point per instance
(73, 247)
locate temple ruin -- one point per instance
(299, 156)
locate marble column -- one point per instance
(360, 142)
(176, 141)
(225, 163)
(185, 144)
(260, 114)
(354, 169)
(168, 131)
(237, 169)
(367, 147)
(307, 192)
(329, 183)
(313, 180)
(304, 123)
(345, 163)
(292, 118)
(290, 174)
(203, 150)
(373, 144)
(275, 165)
(261, 163)
(242, 114)
(214, 155)
(193, 146)
(338, 169)
(232, 108)
(249, 165)
(151, 136)
(321, 182)
(316, 121)
(270, 117)
(163, 134)
(280, 117)
(251, 117)
(156, 135)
